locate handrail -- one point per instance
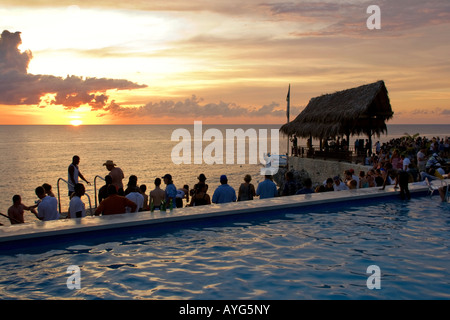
(59, 196)
(10, 219)
(95, 188)
(90, 205)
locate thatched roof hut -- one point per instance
(361, 110)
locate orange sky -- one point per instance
(139, 62)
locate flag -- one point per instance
(288, 99)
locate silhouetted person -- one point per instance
(115, 203)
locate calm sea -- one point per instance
(33, 155)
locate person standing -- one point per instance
(224, 193)
(74, 173)
(267, 188)
(294, 146)
(421, 159)
(16, 211)
(77, 209)
(402, 179)
(405, 162)
(171, 191)
(377, 147)
(116, 174)
(48, 207)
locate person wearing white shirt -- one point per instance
(421, 159)
(350, 175)
(406, 162)
(137, 198)
(338, 184)
(77, 209)
(48, 206)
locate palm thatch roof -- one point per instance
(361, 110)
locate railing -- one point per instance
(10, 219)
(95, 188)
(59, 196)
(302, 150)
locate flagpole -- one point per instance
(288, 99)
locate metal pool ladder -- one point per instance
(59, 196)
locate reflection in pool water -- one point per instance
(306, 253)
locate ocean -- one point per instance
(33, 155)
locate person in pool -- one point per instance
(16, 211)
(157, 195)
(115, 203)
(200, 197)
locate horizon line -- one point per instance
(179, 124)
(142, 124)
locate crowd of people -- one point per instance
(396, 162)
(116, 198)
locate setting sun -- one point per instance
(76, 122)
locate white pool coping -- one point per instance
(41, 229)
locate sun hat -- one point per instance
(109, 163)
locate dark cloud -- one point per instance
(194, 107)
(11, 59)
(18, 87)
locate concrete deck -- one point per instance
(93, 223)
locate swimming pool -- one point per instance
(318, 252)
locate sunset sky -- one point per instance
(176, 61)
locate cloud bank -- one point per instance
(18, 87)
(348, 18)
(195, 107)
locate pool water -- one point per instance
(307, 253)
